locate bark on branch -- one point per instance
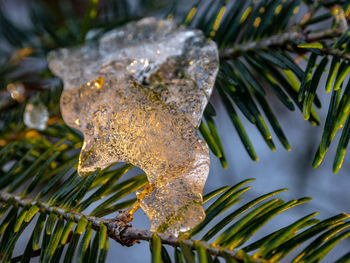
(118, 229)
(284, 40)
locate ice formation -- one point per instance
(36, 116)
(137, 95)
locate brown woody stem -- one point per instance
(118, 229)
(284, 41)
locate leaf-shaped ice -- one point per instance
(137, 95)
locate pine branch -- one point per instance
(140, 234)
(118, 229)
(236, 80)
(46, 208)
(36, 253)
(115, 227)
(335, 52)
(282, 40)
(226, 245)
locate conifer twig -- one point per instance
(283, 40)
(118, 229)
(36, 253)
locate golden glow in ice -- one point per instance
(138, 95)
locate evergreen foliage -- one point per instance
(259, 42)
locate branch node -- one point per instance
(117, 227)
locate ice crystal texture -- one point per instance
(36, 116)
(138, 95)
